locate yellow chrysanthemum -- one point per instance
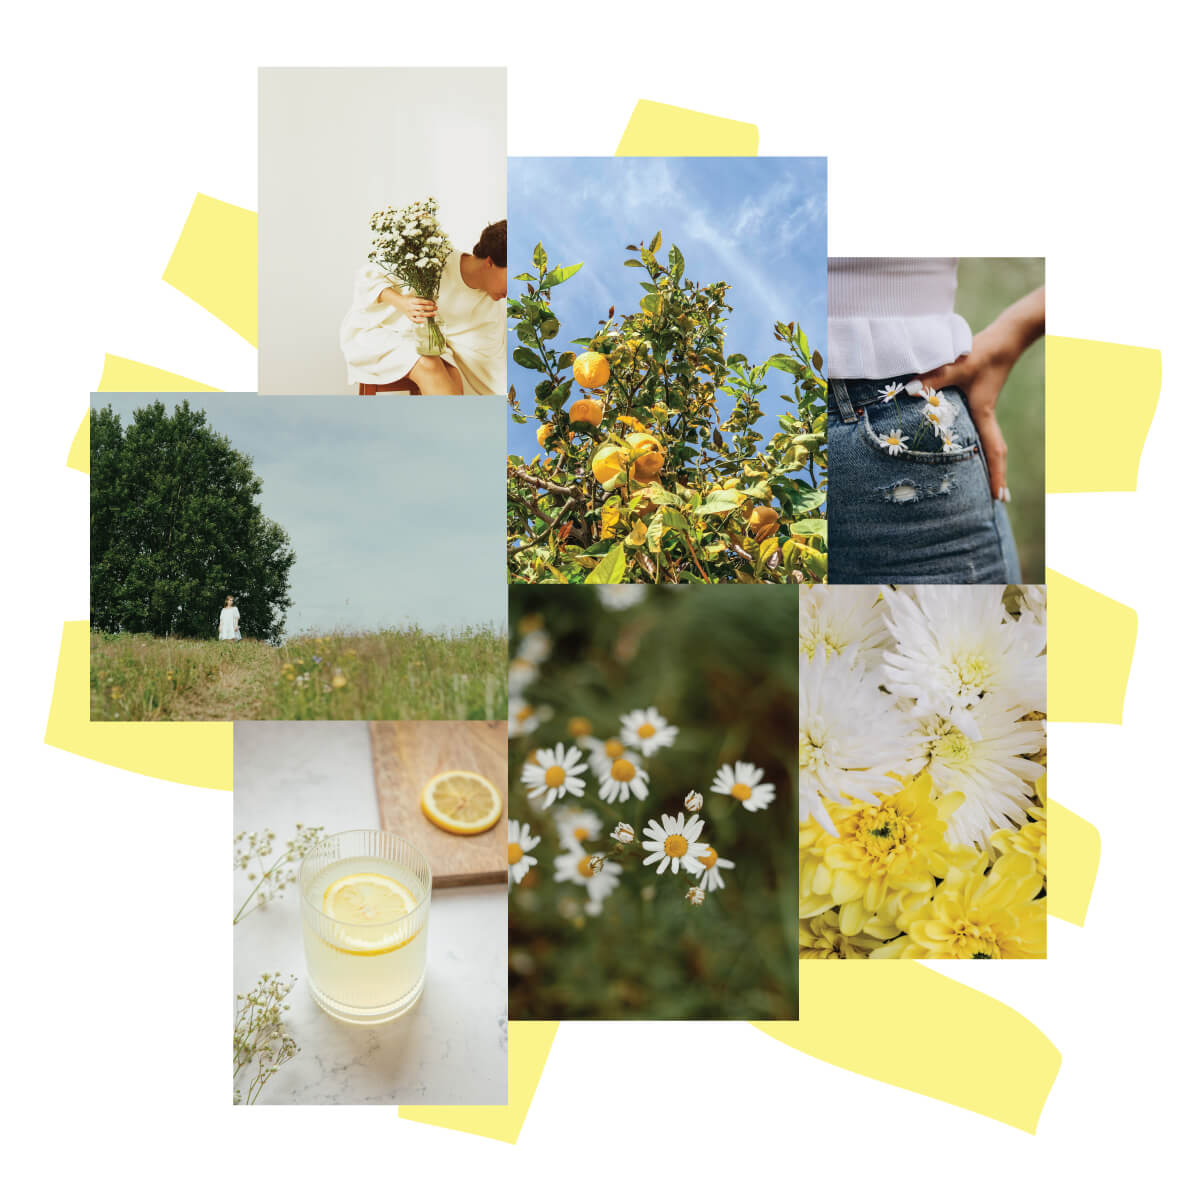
(820, 937)
(974, 914)
(1030, 838)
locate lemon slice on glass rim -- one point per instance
(363, 900)
(461, 802)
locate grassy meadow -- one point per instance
(394, 674)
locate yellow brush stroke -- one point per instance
(1100, 399)
(954, 1044)
(128, 375)
(215, 263)
(1090, 652)
(200, 754)
(661, 129)
(529, 1045)
(1072, 862)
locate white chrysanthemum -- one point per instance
(535, 647)
(711, 879)
(647, 730)
(622, 777)
(995, 781)
(575, 866)
(893, 442)
(674, 842)
(520, 843)
(617, 597)
(954, 646)
(602, 754)
(554, 773)
(742, 781)
(852, 737)
(576, 825)
(847, 619)
(1033, 603)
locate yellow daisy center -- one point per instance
(585, 867)
(646, 730)
(555, 776)
(709, 857)
(675, 846)
(525, 713)
(579, 727)
(515, 853)
(623, 771)
(613, 748)
(740, 791)
(581, 833)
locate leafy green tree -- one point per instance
(641, 478)
(176, 526)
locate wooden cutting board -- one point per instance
(406, 755)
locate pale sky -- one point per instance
(394, 505)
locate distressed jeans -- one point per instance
(920, 515)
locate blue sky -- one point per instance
(395, 506)
(757, 223)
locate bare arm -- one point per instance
(413, 307)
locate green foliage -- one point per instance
(689, 519)
(392, 675)
(176, 526)
(719, 663)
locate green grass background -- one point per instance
(986, 286)
(720, 663)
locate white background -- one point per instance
(334, 147)
(1008, 129)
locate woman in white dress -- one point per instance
(379, 333)
(228, 629)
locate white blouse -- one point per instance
(380, 342)
(228, 625)
(893, 316)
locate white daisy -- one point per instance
(955, 646)
(674, 843)
(575, 866)
(617, 597)
(994, 780)
(622, 777)
(950, 444)
(535, 647)
(520, 675)
(520, 842)
(891, 391)
(852, 737)
(575, 825)
(647, 730)
(623, 833)
(553, 774)
(742, 782)
(602, 754)
(939, 409)
(711, 879)
(693, 802)
(847, 619)
(893, 442)
(523, 718)
(694, 895)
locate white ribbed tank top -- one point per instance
(893, 316)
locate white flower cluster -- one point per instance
(939, 413)
(896, 681)
(532, 650)
(410, 246)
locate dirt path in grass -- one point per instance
(238, 692)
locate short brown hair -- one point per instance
(493, 243)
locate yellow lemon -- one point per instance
(544, 431)
(649, 461)
(587, 409)
(763, 523)
(591, 370)
(609, 462)
(461, 802)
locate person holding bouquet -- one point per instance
(426, 318)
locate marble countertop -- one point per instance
(452, 1048)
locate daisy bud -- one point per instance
(596, 863)
(914, 387)
(695, 895)
(623, 833)
(693, 802)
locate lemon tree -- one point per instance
(640, 478)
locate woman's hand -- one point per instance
(983, 372)
(414, 308)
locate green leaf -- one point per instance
(809, 527)
(539, 257)
(675, 258)
(817, 360)
(526, 358)
(656, 242)
(525, 332)
(673, 519)
(565, 359)
(719, 502)
(525, 277)
(549, 328)
(611, 568)
(785, 362)
(543, 389)
(561, 275)
(633, 262)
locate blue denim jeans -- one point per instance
(919, 515)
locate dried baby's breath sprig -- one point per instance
(260, 1041)
(693, 802)
(250, 854)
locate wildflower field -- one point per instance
(393, 674)
(652, 768)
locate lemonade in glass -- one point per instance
(364, 907)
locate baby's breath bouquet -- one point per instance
(411, 248)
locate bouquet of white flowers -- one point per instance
(411, 248)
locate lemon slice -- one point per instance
(461, 802)
(367, 899)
